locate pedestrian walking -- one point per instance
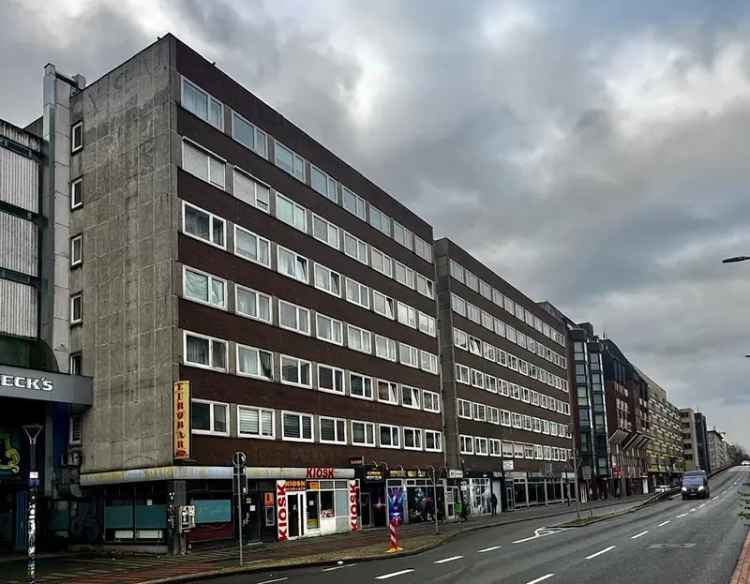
(493, 502)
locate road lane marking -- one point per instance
(394, 574)
(701, 506)
(489, 549)
(599, 553)
(663, 523)
(542, 579)
(274, 580)
(526, 539)
(641, 534)
(446, 560)
(332, 568)
(693, 510)
(681, 516)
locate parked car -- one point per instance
(746, 463)
(695, 484)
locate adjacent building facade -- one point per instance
(701, 443)
(718, 449)
(689, 439)
(665, 452)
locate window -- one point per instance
(493, 415)
(296, 427)
(471, 281)
(75, 364)
(380, 220)
(74, 436)
(477, 379)
(489, 352)
(473, 313)
(403, 275)
(490, 383)
(465, 409)
(431, 401)
(205, 166)
(206, 352)
(292, 264)
(412, 439)
(76, 308)
(254, 362)
(289, 161)
(410, 397)
(389, 436)
(502, 357)
(408, 355)
(425, 286)
(505, 418)
(249, 135)
(458, 304)
(76, 194)
(427, 324)
(495, 447)
(462, 374)
(499, 327)
(358, 339)
(402, 235)
(355, 248)
(329, 329)
(330, 379)
(295, 371)
(406, 315)
(204, 288)
(76, 137)
(198, 102)
(363, 433)
(209, 417)
(385, 348)
(360, 386)
(76, 251)
(383, 305)
(387, 392)
(252, 303)
(480, 446)
(252, 247)
(203, 225)
(293, 317)
(467, 444)
(457, 270)
(255, 423)
(479, 412)
(325, 231)
(381, 262)
(323, 184)
(291, 213)
(327, 280)
(487, 320)
(422, 249)
(433, 440)
(504, 388)
(475, 346)
(357, 293)
(251, 191)
(354, 204)
(332, 430)
(485, 289)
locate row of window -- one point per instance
(480, 446)
(212, 353)
(210, 109)
(502, 329)
(523, 314)
(494, 354)
(210, 417)
(479, 412)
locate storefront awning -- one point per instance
(45, 386)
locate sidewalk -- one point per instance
(362, 545)
(742, 571)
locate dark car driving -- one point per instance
(695, 484)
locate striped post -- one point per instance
(393, 536)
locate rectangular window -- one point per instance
(406, 315)
(206, 352)
(381, 262)
(433, 440)
(75, 364)
(203, 225)
(489, 352)
(325, 231)
(357, 293)
(76, 194)
(458, 304)
(495, 447)
(464, 409)
(389, 436)
(251, 191)
(254, 362)
(427, 324)
(505, 418)
(76, 309)
(403, 275)
(76, 137)
(292, 264)
(249, 135)
(380, 220)
(460, 339)
(252, 247)
(383, 305)
(289, 161)
(480, 446)
(477, 379)
(410, 397)
(363, 433)
(332, 430)
(203, 165)
(329, 329)
(330, 379)
(291, 213)
(387, 392)
(402, 235)
(471, 281)
(327, 280)
(76, 251)
(358, 339)
(485, 289)
(323, 184)
(475, 346)
(462, 374)
(252, 303)
(209, 417)
(74, 436)
(479, 412)
(422, 249)
(466, 444)
(493, 415)
(408, 355)
(385, 348)
(204, 288)
(431, 401)
(354, 204)
(296, 427)
(255, 423)
(200, 103)
(487, 320)
(360, 386)
(294, 318)
(355, 248)
(473, 313)
(490, 383)
(457, 270)
(412, 439)
(504, 388)
(296, 371)
(425, 286)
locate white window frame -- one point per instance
(210, 100)
(406, 314)
(76, 146)
(264, 206)
(300, 363)
(209, 155)
(330, 229)
(334, 371)
(380, 220)
(279, 250)
(388, 302)
(337, 439)
(297, 309)
(258, 240)
(393, 393)
(480, 446)
(296, 209)
(385, 261)
(210, 280)
(211, 341)
(258, 351)
(330, 184)
(463, 374)
(324, 277)
(434, 398)
(261, 425)
(365, 379)
(243, 289)
(437, 437)
(76, 186)
(405, 350)
(211, 219)
(391, 350)
(422, 248)
(360, 206)
(298, 163)
(360, 248)
(362, 292)
(258, 136)
(365, 339)
(393, 431)
(76, 299)
(406, 276)
(212, 404)
(333, 324)
(425, 286)
(411, 391)
(366, 425)
(426, 324)
(464, 441)
(417, 433)
(300, 416)
(76, 242)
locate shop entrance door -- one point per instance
(510, 499)
(365, 509)
(450, 502)
(296, 505)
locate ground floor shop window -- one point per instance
(480, 495)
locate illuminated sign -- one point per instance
(181, 421)
(282, 515)
(354, 505)
(320, 472)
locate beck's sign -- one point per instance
(33, 384)
(181, 413)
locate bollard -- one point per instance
(393, 537)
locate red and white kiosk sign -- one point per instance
(354, 505)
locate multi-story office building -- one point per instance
(505, 387)
(689, 439)
(718, 449)
(627, 421)
(701, 443)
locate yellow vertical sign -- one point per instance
(181, 412)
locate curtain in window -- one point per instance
(197, 223)
(197, 350)
(249, 421)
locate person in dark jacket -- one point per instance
(493, 502)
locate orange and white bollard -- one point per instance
(393, 536)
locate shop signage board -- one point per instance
(320, 472)
(282, 513)
(17, 382)
(508, 465)
(354, 505)
(374, 476)
(181, 420)
(455, 474)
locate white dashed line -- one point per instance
(681, 516)
(701, 506)
(489, 549)
(526, 539)
(693, 510)
(542, 579)
(446, 560)
(394, 574)
(274, 580)
(604, 551)
(332, 568)
(663, 523)
(641, 534)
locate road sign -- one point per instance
(508, 465)
(239, 459)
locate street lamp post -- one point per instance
(32, 432)
(735, 259)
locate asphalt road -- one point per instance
(686, 542)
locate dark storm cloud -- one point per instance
(594, 153)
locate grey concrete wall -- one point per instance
(129, 226)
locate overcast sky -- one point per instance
(594, 153)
